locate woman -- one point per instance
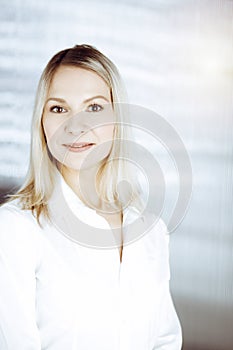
(60, 290)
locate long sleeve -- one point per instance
(18, 254)
(169, 333)
(169, 336)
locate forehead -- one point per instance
(74, 80)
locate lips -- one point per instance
(78, 146)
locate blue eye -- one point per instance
(94, 107)
(57, 109)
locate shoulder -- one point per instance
(157, 229)
(21, 243)
(157, 233)
(11, 213)
(156, 242)
(18, 225)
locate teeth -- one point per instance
(80, 146)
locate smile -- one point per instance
(78, 147)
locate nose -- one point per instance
(76, 125)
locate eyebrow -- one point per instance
(85, 101)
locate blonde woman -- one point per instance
(60, 291)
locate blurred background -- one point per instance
(176, 58)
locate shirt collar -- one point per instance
(87, 214)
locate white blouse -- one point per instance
(56, 294)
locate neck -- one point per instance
(82, 182)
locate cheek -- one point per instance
(50, 127)
(53, 131)
(105, 133)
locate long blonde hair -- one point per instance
(39, 181)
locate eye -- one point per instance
(94, 107)
(57, 109)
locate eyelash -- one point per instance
(94, 105)
(51, 109)
(100, 108)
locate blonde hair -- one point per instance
(39, 181)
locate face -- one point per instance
(78, 119)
